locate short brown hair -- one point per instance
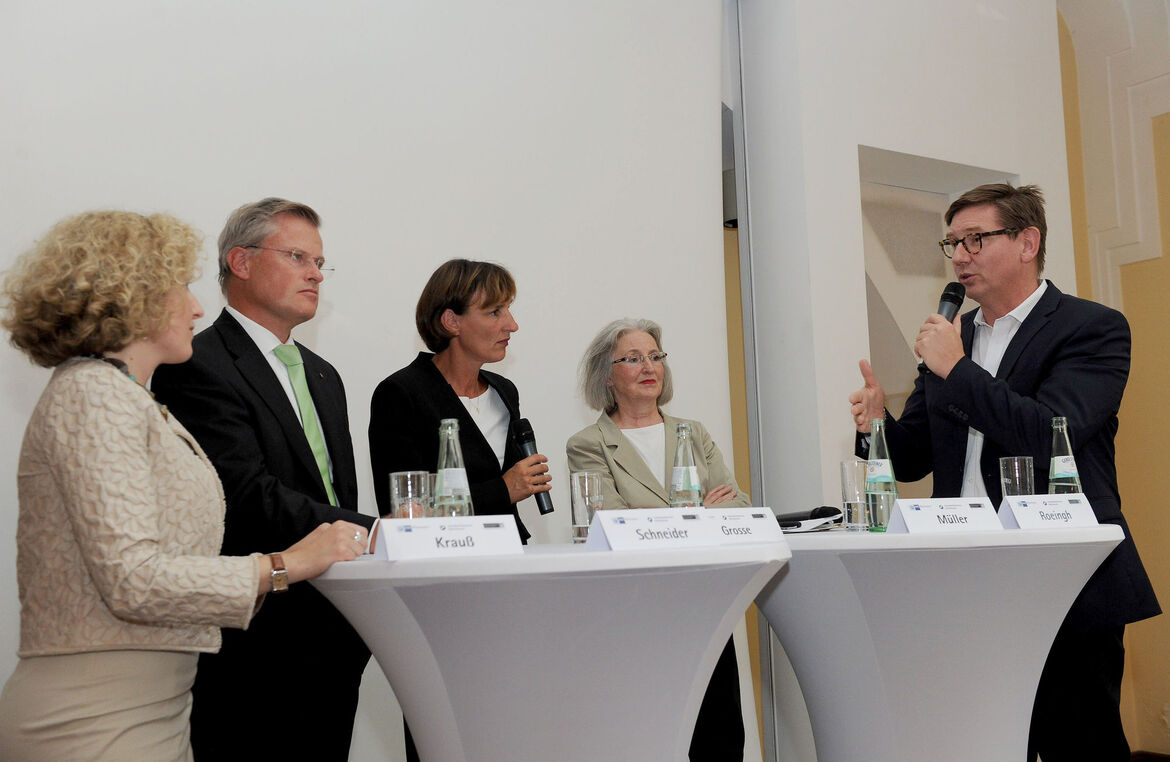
(1019, 208)
(96, 282)
(249, 225)
(454, 286)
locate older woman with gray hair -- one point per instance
(632, 445)
(624, 375)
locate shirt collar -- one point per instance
(264, 339)
(1022, 310)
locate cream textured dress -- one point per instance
(121, 584)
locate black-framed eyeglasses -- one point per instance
(972, 242)
(300, 259)
(635, 361)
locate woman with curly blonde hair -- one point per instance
(121, 513)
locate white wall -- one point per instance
(971, 82)
(576, 143)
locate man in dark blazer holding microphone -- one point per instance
(278, 435)
(990, 385)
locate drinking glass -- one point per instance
(411, 493)
(853, 494)
(1015, 474)
(585, 487)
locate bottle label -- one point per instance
(685, 478)
(879, 471)
(451, 481)
(1063, 467)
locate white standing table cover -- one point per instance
(558, 654)
(920, 648)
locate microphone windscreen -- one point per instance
(951, 300)
(522, 430)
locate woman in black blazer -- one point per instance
(463, 317)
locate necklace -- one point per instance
(126, 370)
(474, 401)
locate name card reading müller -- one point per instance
(945, 514)
(448, 537)
(644, 528)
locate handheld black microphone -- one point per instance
(948, 305)
(526, 441)
(951, 300)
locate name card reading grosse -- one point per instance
(448, 537)
(1047, 512)
(640, 529)
(945, 514)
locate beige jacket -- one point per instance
(121, 519)
(627, 482)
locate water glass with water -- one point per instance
(853, 494)
(585, 487)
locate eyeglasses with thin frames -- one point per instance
(300, 259)
(635, 361)
(972, 242)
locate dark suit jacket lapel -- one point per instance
(1037, 319)
(626, 456)
(259, 375)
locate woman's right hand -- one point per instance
(527, 477)
(321, 548)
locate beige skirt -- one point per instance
(103, 705)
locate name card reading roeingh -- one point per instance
(643, 528)
(448, 537)
(1047, 512)
(943, 514)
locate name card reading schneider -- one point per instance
(945, 514)
(1047, 512)
(642, 528)
(447, 537)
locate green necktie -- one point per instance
(290, 355)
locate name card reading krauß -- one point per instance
(1047, 512)
(943, 514)
(448, 537)
(641, 529)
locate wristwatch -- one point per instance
(279, 574)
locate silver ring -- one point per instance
(357, 536)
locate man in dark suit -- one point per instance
(286, 462)
(991, 383)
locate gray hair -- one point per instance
(252, 223)
(596, 366)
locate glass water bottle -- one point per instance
(452, 494)
(880, 488)
(1062, 471)
(685, 489)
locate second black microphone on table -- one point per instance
(526, 441)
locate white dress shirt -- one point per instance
(987, 350)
